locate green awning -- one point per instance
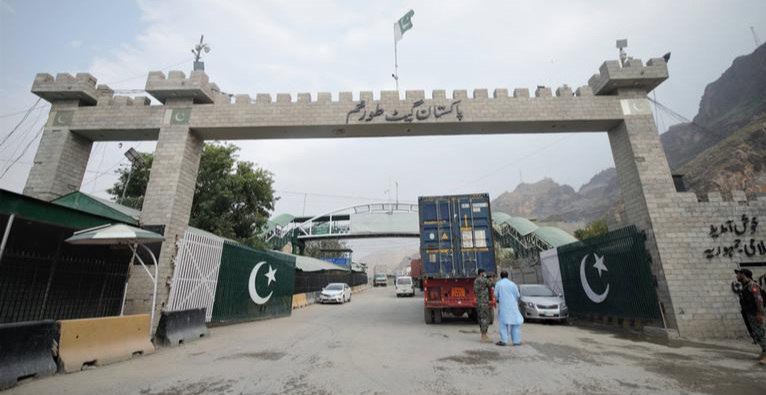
(98, 206)
(32, 209)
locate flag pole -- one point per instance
(396, 62)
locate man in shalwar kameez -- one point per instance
(508, 314)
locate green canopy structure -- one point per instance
(121, 234)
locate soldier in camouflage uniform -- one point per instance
(752, 303)
(482, 288)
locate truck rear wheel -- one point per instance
(428, 316)
(437, 316)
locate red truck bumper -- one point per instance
(454, 296)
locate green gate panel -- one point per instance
(625, 270)
(272, 284)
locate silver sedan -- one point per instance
(539, 302)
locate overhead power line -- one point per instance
(26, 148)
(29, 111)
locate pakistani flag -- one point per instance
(403, 24)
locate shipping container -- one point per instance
(455, 242)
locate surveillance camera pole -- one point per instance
(197, 51)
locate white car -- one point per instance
(335, 293)
(404, 286)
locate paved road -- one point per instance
(378, 344)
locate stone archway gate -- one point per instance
(194, 109)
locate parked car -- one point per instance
(380, 280)
(335, 293)
(539, 302)
(404, 286)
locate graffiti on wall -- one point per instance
(742, 244)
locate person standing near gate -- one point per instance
(753, 305)
(481, 287)
(508, 315)
(736, 287)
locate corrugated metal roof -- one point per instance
(523, 225)
(99, 206)
(554, 236)
(39, 210)
(500, 217)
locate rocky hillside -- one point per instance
(548, 201)
(737, 162)
(728, 104)
(723, 148)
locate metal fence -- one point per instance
(195, 277)
(43, 277)
(315, 281)
(610, 275)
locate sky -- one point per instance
(333, 46)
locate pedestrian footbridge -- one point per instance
(388, 220)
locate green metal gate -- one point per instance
(253, 285)
(610, 275)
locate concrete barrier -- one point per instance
(299, 300)
(100, 341)
(182, 326)
(27, 350)
(359, 288)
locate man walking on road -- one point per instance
(508, 315)
(752, 303)
(481, 287)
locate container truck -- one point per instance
(416, 272)
(455, 242)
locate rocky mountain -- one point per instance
(736, 163)
(728, 104)
(548, 201)
(723, 148)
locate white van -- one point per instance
(404, 286)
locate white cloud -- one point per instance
(75, 43)
(7, 7)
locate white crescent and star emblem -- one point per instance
(599, 265)
(179, 116)
(270, 275)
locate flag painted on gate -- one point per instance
(609, 275)
(402, 25)
(253, 284)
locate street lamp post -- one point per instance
(135, 161)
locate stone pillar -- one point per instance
(642, 167)
(645, 182)
(169, 194)
(62, 155)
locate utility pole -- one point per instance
(197, 51)
(755, 37)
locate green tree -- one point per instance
(232, 198)
(139, 178)
(595, 228)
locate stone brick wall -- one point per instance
(699, 286)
